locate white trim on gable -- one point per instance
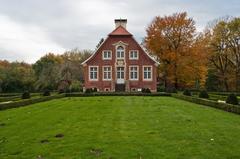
(145, 51)
(123, 44)
(84, 62)
(120, 43)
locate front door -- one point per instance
(120, 75)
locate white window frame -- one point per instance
(107, 51)
(130, 78)
(120, 54)
(106, 79)
(89, 73)
(147, 79)
(133, 51)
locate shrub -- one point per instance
(21, 103)
(94, 89)
(89, 90)
(60, 91)
(232, 99)
(161, 88)
(26, 95)
(203, 94)
(214, 104)
(171, 90)
(68, 90)
(187, 92)
(76, 86)
(146, 90)
(46, 93)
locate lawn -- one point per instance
(119, 128)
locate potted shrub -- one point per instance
(26, 95)
(46, 93)
(203, 94)
(187, 92)
(232, 99)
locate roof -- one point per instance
(120, 31)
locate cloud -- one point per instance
(58, 25)
(24, 42)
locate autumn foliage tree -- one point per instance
(174, 41)
(224, 44)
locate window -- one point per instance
(107, 73)
(120, 52)
(147, 73)
(133, 55)
(120, 72)
(133, 72)
(107, 55)
(93, 73)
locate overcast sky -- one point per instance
(31, 28)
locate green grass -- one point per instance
(119, 128)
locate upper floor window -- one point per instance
(120, 52)
(147, 72)
(133, 70)
(93, 73)
(133, 55)
(107, 55)
(107, 72)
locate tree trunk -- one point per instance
(175, 76)
(237, 81)
(226, 84)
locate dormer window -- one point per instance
(120, 52)
(133, 55)
(107, 55)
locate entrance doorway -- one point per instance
(120, 84)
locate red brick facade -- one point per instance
(132, 74)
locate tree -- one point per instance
(225, 51)
(234, 48)
(16, 76)
(173, 40)
(47, 71)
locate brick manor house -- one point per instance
(120, 64)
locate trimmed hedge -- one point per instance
(116, 94)
(25, 102)
(10, 98)
(9, 94)
(214, 104)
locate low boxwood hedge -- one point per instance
(25, 102)
(215, 104)
(116, 94)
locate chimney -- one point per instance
(121, 22)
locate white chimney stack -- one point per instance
(121, 22)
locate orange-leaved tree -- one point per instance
(173, 39)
